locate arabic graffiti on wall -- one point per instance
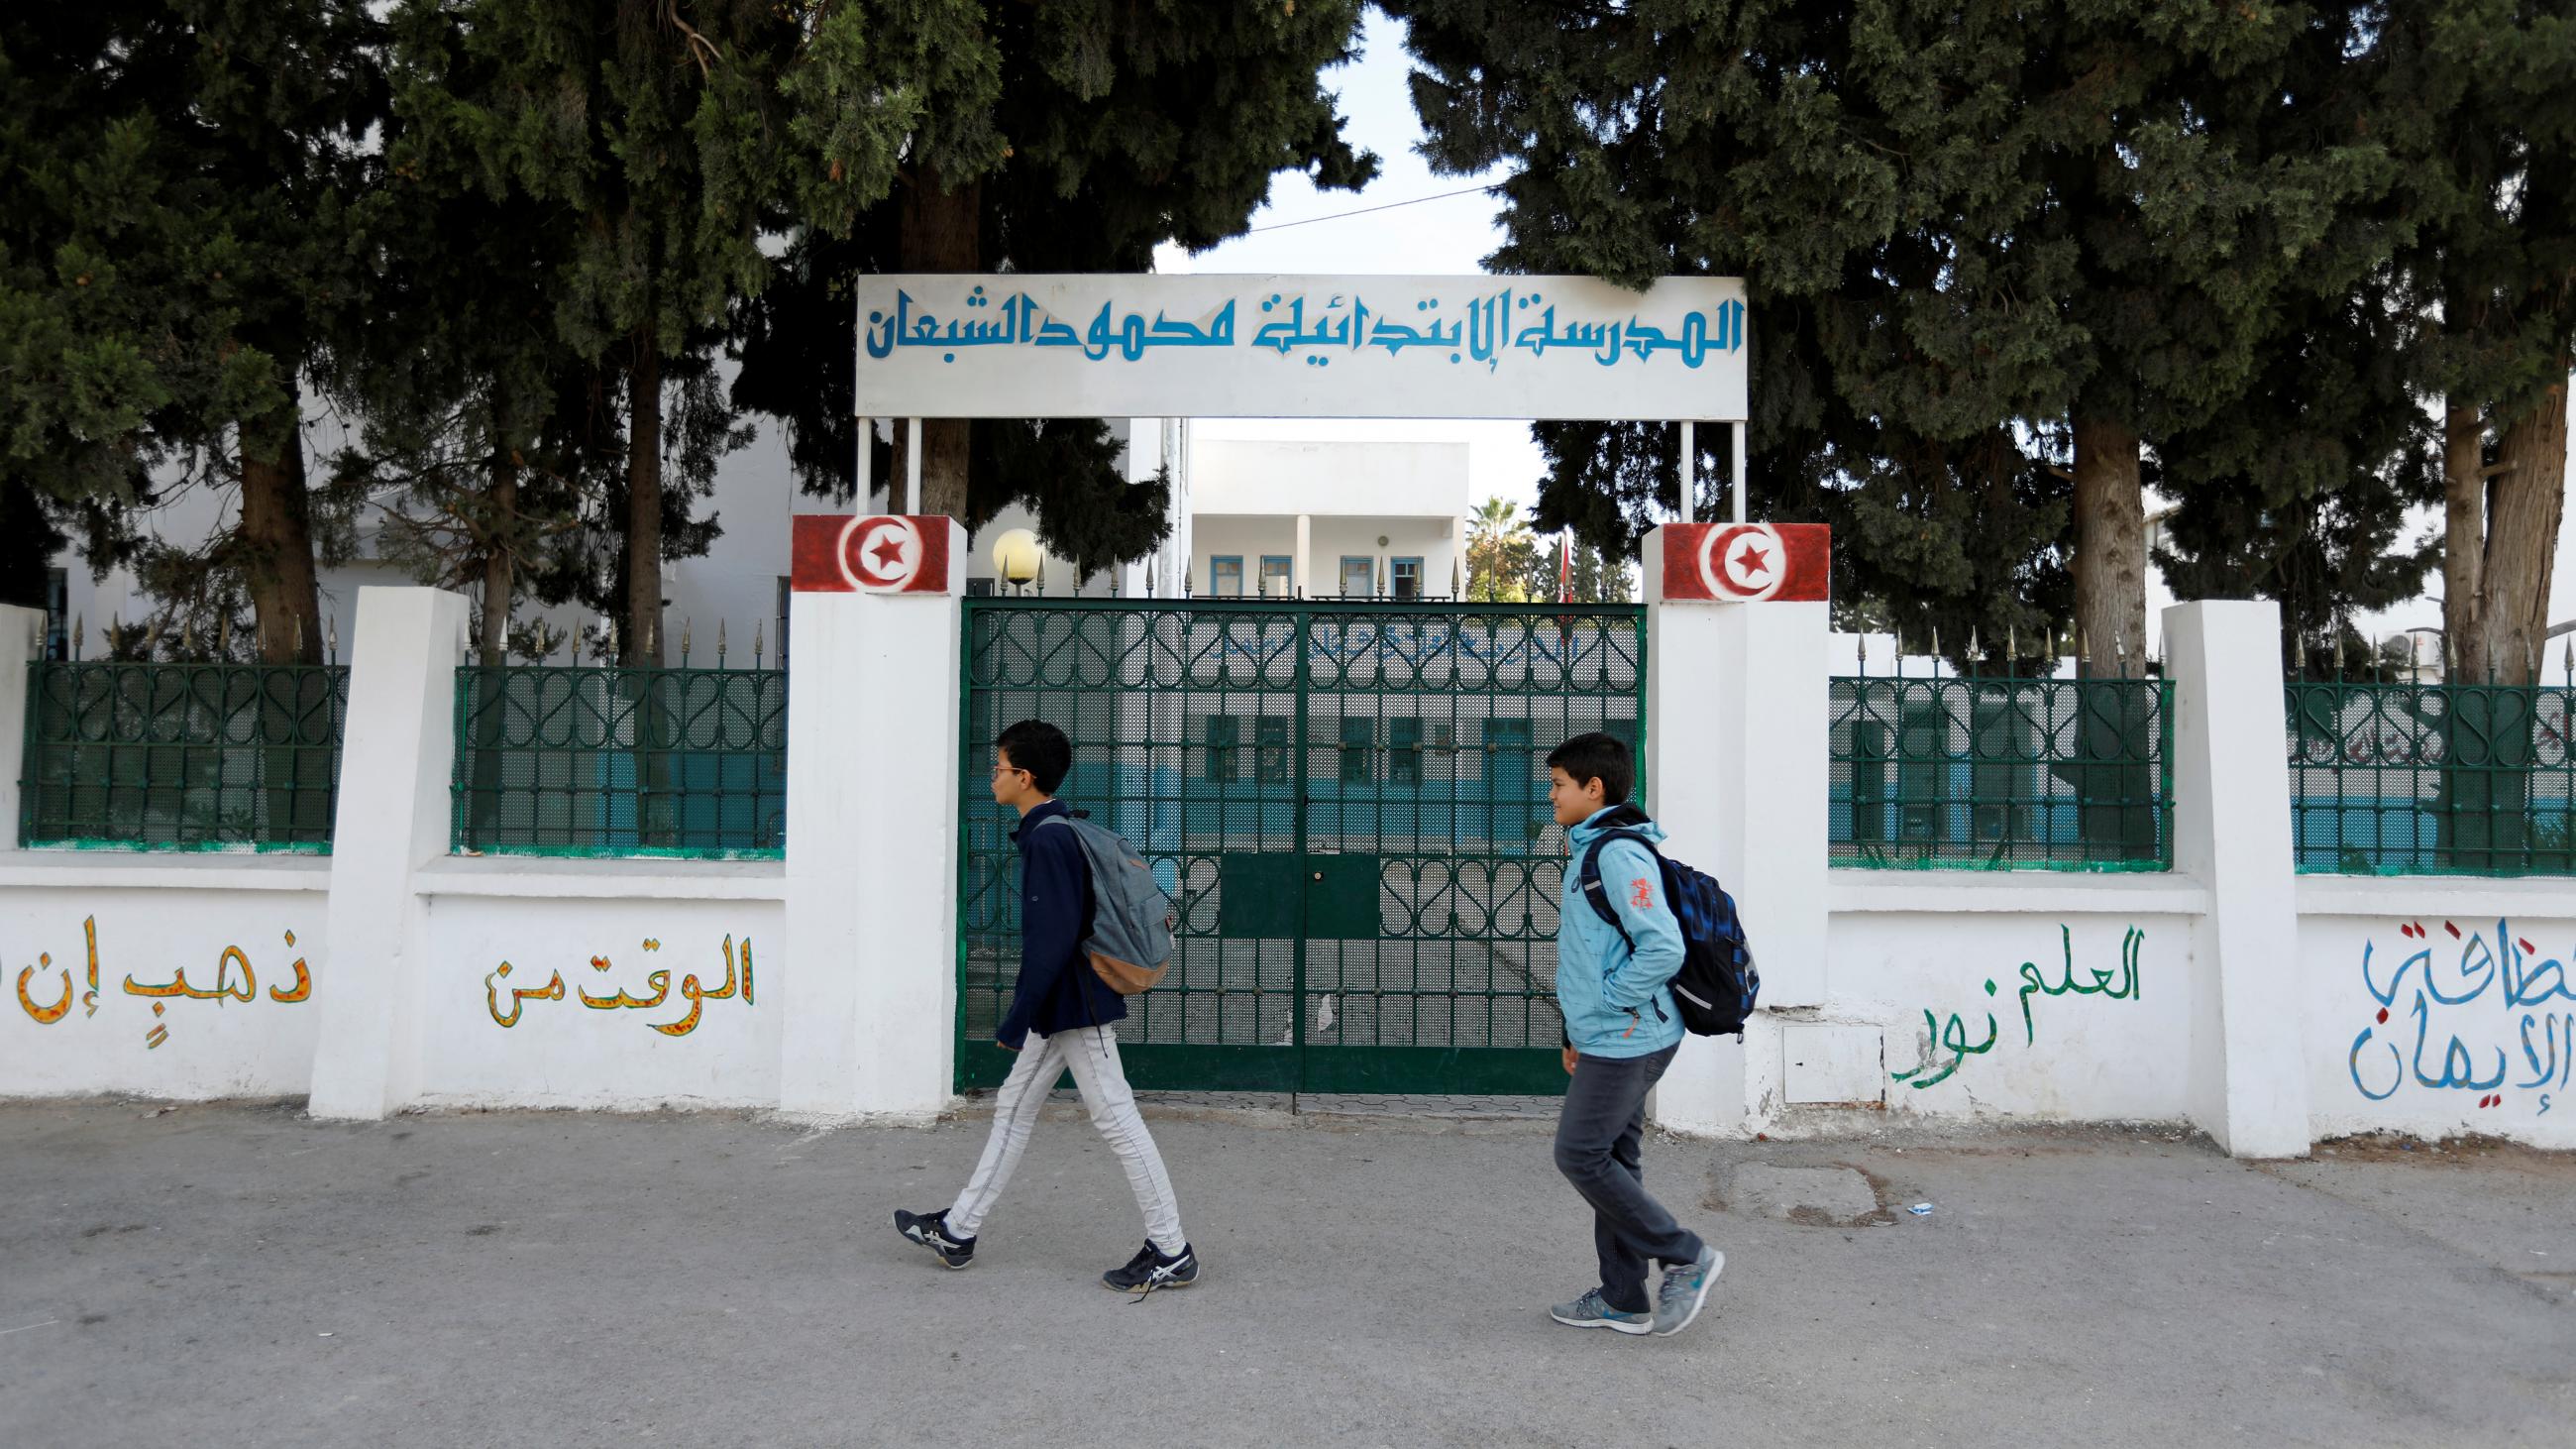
(1045, 346)
(234, 980)
(2504, 1015)
(497, 990)
(1954, 1038)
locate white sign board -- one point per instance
(1141, 345)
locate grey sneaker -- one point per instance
(1685, 1289)
(1589, 1311)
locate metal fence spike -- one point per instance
(720, 643)
(331, 636)
(759, 643)
(78, 623)
(685, 622)
(224, 635)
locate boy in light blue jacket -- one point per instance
(1622, 1030)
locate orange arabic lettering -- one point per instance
(45, 1015)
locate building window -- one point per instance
(1224, 733)
(1359, 577)
(979, 588)
(1270, 734)
(1225, 578)
(1275, 577)
(1359, 746)
(1404, 750)
(786, 594)
(1408, 578)
(58, 595)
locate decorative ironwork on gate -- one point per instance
(1995, 772)
(1348, 803)
(610, 761)
(182, 756)
(2390, 778)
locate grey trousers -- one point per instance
(1598, 1136)
(1092, 1054)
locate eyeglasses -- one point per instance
(1000, 770)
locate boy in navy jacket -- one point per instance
(1061, 1001)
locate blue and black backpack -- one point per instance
(1717, 983)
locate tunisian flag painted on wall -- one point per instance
(1730, 563)
(879, 553)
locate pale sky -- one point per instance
(1452, 236)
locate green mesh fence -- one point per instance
(2002, 773)
(1349, 804)
(182, 756)
(610, 761)
(2434, 779)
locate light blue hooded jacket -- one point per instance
(1618, 1004)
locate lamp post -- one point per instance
(1017, 558)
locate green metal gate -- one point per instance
(1349, 804)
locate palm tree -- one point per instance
(1496, 535)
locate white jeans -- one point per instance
(1092, 1053)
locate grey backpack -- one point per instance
(1130, 945)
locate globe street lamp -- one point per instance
(1016, 557)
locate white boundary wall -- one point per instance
(2268, 1008)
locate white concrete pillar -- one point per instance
(873, 774)
(22, 642)
(1737, 768)
(1303, 584)
(397, 756)
(2232, 834)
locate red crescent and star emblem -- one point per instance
(1745, 561)
(881, 552)
(1742, 563)
(873, 553)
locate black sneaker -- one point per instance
(1150, 1270)
(931, 1231)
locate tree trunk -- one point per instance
(2530, 494)
(2110, 550)
(643, 642)
(294, 709)
(941, 230)
(2113, 779)
(277, 537)
(2464, 531)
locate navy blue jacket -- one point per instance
(1057, 989)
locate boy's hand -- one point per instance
(1006, 1046)
(1570, 1055)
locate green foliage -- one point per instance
(175, 256)
(1085, 134)
(1963, 227)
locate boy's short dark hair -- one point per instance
(1594, 756)
(1039, 748)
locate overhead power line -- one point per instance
(1365, 210)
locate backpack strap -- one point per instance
(1590, 878)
